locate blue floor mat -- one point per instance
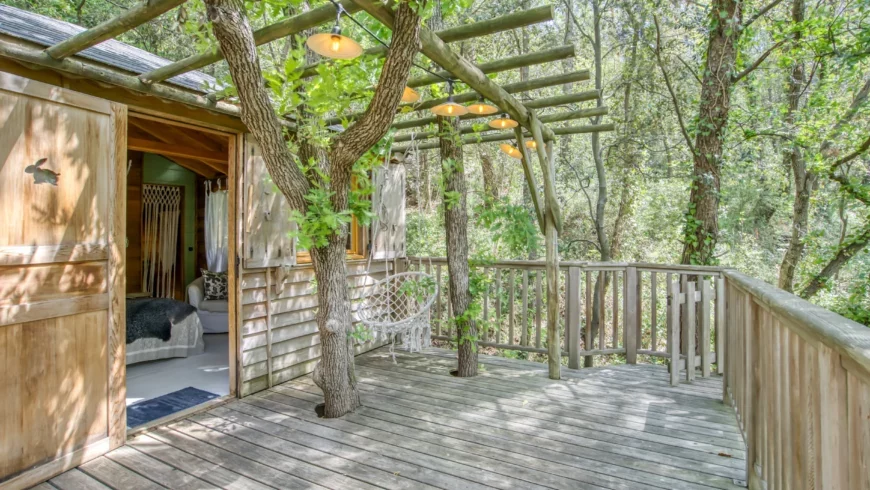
(147, 410)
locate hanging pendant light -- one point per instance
(482, 108)
(531, 144)
(503, 122)
(334, 44)
(449, 108)
(409, 96)
(511, 151)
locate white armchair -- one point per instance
(213, 314)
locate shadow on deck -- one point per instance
(511, 427)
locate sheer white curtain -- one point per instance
(216, 231)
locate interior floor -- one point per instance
(208, 371)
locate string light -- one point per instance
(531, 144)
(482, 108)
(503, 122)
(449, 108)
(409, 96)
(334, 44)
(511, 151)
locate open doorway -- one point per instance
(178, 323)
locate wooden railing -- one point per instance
(799, 378)
(632, 304)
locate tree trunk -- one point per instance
(490, 187)
(804, 179)
(334, 373)
(702, 221)
(601, 174)
(456, 227)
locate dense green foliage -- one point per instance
(647, 159)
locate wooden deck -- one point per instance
(510, 428)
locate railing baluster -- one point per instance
(674, 330)
(524, 324)
(511, 295)
(572, 321)
(587, 341)
(638, 309)
(690, 331)
(485, 326)
(615, 340)
(706, 293)
(720, 325)
(602, 312)
(438, 299)
(653, 311)
(497, 332)
(538, 306)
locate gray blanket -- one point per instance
(154, 317)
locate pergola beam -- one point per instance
(511, 88)
(436, 50)
(505, 64)
(551, 118)
(287, 27)
(532, 104)
(477, 138)
(464, 32)
(130, 19)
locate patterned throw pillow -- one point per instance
(215, 285)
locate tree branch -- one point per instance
(851, 156)
(736, 78)
(658, 53)
(855, 244)
(761, 13)
(375, 122)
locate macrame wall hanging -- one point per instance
(161, 210)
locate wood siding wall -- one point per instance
(62, 397)
(280, 340)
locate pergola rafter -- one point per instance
(507, 90)
(541, 103)
(136, 16)
(550, 118)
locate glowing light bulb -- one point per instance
(503, 123)
(450, 109)
(480, 109)
(335, 46)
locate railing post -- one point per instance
(690, 331)
(706, 296)
(630, 317)
(721, 328)
(674, 330)
(572, 303)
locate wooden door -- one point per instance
(62, 280)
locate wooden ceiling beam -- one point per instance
(195, 166)
(176, 150)
(176, 134)
(130, 19)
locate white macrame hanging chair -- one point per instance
(399, 303)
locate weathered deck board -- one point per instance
(618, 427)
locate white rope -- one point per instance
(161, 209)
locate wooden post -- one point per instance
(524, 323)
(690, 331)
(653, 311)
(631, 324)
(706, 297)
(721, 328)
(531, 182)
(554, 347)
(674, 330)
(572, 303)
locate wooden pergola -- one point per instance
(62, 57)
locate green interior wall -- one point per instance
(158, 170)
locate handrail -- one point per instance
(564, 264)
(848, 338)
